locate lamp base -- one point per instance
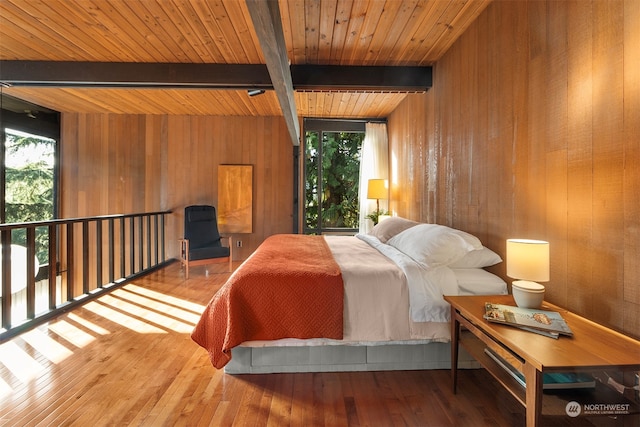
(527, 294)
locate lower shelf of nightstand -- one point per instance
(475, 347)
(554, 402)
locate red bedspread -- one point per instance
(291, 287)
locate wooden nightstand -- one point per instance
(593, 348)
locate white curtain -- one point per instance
(374, 164)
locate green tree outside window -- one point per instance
(332, 169)
(29, 191)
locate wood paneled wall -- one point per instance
(532, 130)
(135, 163)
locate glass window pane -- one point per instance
(312, 154)
(29, 196)
(29, 169)
(341, 169)
(332, 172)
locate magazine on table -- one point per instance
(550, 334)
(550, 322)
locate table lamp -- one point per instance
(377, 189)
(528, 261)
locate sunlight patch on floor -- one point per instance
(71, 333)
(149, 314)
(46, 346)
(122, 319)
(178, 302)
(87, 324)
(22, 366)
(170, 310)
(22, 359)
(5, 389)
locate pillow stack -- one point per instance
(434, 245)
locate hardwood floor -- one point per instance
(127, 359)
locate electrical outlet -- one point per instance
(239, 243)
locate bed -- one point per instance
(346, 303)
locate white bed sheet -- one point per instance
(426, 285)
(376, 301)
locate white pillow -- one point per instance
(434, 245)
(476, 281)
(388, 228)
(478, 258)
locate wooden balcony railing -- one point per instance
(86, 256)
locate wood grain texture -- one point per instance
(134, 163)
(631, 178)
(127, 359)
(533, 119)
(235, 198)
(364, 32)
(411, 190)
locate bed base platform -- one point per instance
(343, 358)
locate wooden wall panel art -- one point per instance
(235, 198)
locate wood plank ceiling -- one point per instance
(322, 32)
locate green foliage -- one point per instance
(29, 187)
(373, 216)
(337, 180)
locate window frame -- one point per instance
(45, 123)
(323, 126)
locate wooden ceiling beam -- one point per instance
(268, 26)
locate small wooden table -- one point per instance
(592, 348)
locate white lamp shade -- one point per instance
(377, 189)
(528, 259)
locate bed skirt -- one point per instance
(343, 358)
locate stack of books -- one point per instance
(547, 323)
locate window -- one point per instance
(332, 169)
(28, 177)
(29, 185)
